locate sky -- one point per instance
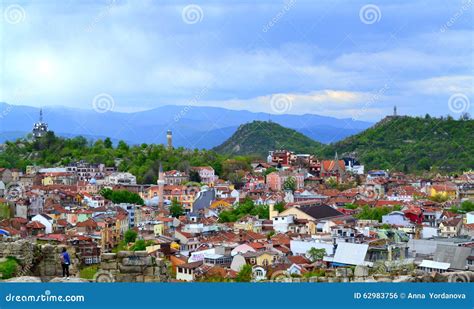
(353, 59)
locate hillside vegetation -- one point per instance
(258, 137)
(413, 144)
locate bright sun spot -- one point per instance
(45, 68)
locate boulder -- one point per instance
(361, 271)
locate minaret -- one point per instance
(169, 138)
(338, 167)
(161, 184)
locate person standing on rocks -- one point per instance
(65, 262)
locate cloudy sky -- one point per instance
(339, 58)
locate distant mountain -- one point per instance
(258, 137)
(193, 127)
(412, 144)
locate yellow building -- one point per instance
(444, 191)
(264, 258)
(47, 181)
(159, 229)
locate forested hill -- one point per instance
(413, 144)
(258, 137)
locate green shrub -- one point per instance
(8, 268)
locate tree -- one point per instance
(139, 245)
(315, 254)
(130, 236)
(122, 196)
(176, 209)
(269, 170)
(290, 184)
(4, 211)
(108, 143)
(245, 274)
(194, 176)
(280, 206)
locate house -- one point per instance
(314, 215)
(207, 174)
(118, 178)
(444, 190)
(248, 223)
(262, 258)
(281, 224)
(35, 228)
(188, 271)
(46, 221)
(175, 177)
(282, 157)
(86, 227)
(451, 227)
(396, 218)
(333, 168)
(276, 180)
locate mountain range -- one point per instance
(192, 126)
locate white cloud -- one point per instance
(444, 85)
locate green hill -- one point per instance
(258, 137)
(412, 144)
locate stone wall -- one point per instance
(36, 259)
(129, 266)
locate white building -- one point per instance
(118, 178)
(281, 224)
(46, 220)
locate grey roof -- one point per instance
(321, 211)
(454, 255)
(204, 200)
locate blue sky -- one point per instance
(338, 58)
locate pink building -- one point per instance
(276, 180)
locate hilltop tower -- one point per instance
(161, 184)
(169, 138)
(395, 111)
(40, 128)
